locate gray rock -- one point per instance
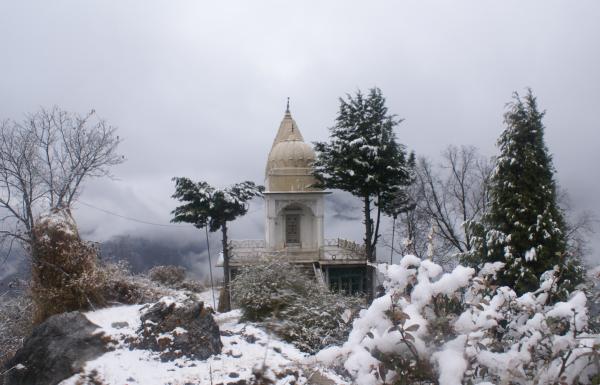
(57, 349)
(198, 336)
(119, 325)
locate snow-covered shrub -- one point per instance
(65, 274)
(456, 328)
(167, 275)
(263, 289)
(121, 286)
(317, 320)
(175, 278)
(192, 285)
(293, 305)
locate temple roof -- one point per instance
(288, 130)
(289, 166)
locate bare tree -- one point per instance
(407, 224)
(455, 192)
(43, 162)
(446, 197)
(579, 226)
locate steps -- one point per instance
(319, 275)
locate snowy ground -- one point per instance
(245, 347)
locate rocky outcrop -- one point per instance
(56, 349)
(179, 329)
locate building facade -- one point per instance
(295, 219)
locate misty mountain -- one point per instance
(144, 253)
(343, 206)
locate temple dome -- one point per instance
(289, 166)
(291, 154)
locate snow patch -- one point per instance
(245, 347)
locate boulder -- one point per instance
(179, 329)
(57, 349)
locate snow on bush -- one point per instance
(67, 274)
(174, 277)
(317, 320)
(64, 271)
(121, 286)
(266, 287)
(456, 328)
(167, 275)
(292, 304)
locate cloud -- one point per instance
(198, 89)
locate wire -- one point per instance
(142, 221)
(130, 218)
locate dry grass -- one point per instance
(65, 272)
(122, 287)
(15, 326)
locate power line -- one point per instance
(130, 218)
(140, 220)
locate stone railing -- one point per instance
(247, 250)
(247, 243)
(336, 249)
(342, 250)
(351, 246)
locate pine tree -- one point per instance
(208, 206)
(525, 227)
(364, 158)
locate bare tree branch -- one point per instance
(44, 161)
(446, 196)
(579, 226)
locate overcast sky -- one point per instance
(198, 89)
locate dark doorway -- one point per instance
(292, 229)
(348, 280)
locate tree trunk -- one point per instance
(225, 301)
(370, 255)
(376, 232)
(392, 248)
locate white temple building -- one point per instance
(295, 219)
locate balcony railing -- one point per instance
(334, 251)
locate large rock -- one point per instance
(56, 349)
(179, 329)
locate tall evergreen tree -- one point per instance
(525, 226)
(364, 158)
(205, 205)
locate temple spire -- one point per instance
(288, 130)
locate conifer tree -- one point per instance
(208, 206)
(525, 227)
(364, 158)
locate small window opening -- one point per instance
(292, 229)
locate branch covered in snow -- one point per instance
(456, 328)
